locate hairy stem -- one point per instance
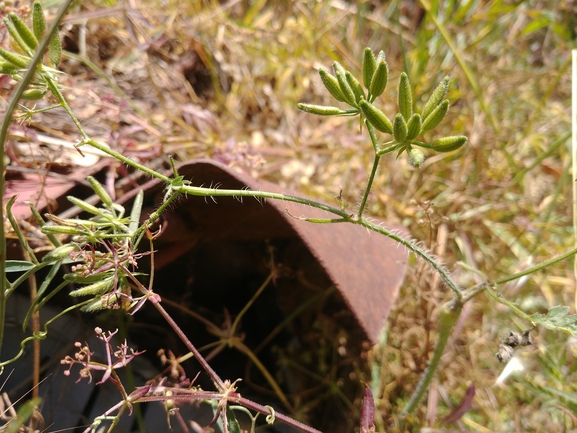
(448, 316)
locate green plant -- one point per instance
(104, 275)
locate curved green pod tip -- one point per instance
(380, 80)
(24, 31)
(321, 110)
(16, 36)
(416, 157)
(38, 20)
(369, 66)
(355, 87)
(436, 98)
(100, 191)
(448, 144)
(332, 85)
(346, 89)
(55, 49)
(436, 116)
(400, 128)
(405, 97)
(414, 127)
(15, 59)
(376, 117)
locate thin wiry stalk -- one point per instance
(3, 135)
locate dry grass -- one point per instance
(235, 71)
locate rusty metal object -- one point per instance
(366, 268)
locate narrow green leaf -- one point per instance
(136, 212)
(18, 266)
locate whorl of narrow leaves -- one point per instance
(405, 97)
(436, 98)
(380, 80)
(400, 128)
(369, 66)
(38, 20)
(436, 116)
(332, 85)
(376, 117)
(24, 32)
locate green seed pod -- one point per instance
(321, 110)
(436, 98)
(379, 81)
(24, 31)
(400, 128)
(416, 157)
(16, 36)
(332, 85)
(34, 94)
(62, 230)
(369, 66)
(405, 97)
(38, 20)
(414, 127)
(448, 144)
(8, 68)
(84, 205)
(436, 116)
(15, 59)
(100, 191)
(98, 288)
(338, 68)
(355, 86)
(346, 89)
(376, 117)
(55, 49)
(59, 253)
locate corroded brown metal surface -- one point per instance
(366, 268)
